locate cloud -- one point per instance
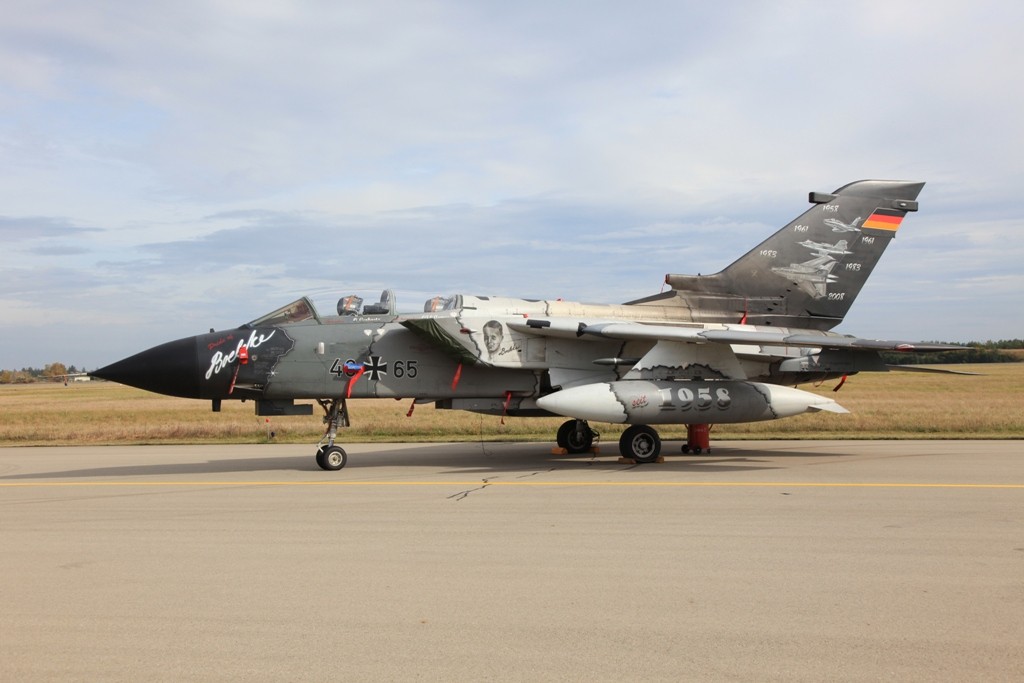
(229, 155)
(28, 228)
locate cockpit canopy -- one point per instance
(295, 312)
(303, 309)
(351, 306)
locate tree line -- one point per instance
(976, 352)
(53, 372)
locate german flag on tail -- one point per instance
(885, 219)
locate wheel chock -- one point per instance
(631, 461)
(561, 451)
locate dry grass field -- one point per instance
(896, 405)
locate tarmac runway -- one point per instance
(783, 560)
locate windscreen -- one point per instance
(295, 312)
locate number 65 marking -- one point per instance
(405, 368)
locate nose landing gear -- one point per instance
(329, 456)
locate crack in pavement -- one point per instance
(534, 474)
(463, 494)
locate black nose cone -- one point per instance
(171, 368)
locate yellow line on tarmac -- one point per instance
(680, 484)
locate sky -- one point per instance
(173, 166)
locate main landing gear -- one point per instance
(575, 436)
(640, 443)
(329, 456)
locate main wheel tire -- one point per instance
(575, 440)
(331, 458)
(640, 443)
(562, 435)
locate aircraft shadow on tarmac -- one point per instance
(522, 459)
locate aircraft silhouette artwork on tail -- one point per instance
(722, 348)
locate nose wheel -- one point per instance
(331, 458)
(328, 456)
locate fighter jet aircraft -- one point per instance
(722, 348)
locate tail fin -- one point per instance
(809, 272)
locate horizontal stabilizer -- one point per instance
(937, 371)
(828, 406)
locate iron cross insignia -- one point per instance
(376, 367)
